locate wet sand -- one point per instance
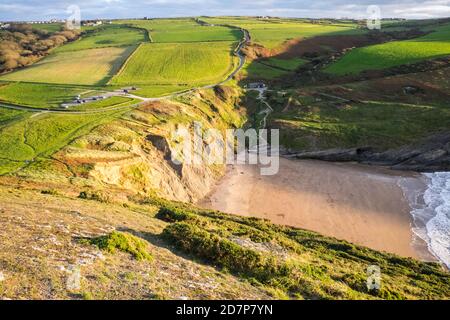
(361, 204)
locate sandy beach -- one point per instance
(361, 204)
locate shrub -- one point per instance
(95, 195)
(224, 252)
(172, 214)
(125, 242)
(318, 267)
(52, 192)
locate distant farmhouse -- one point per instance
(7, 25)
(46, 22)
(94, 23)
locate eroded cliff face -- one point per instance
(135, 152)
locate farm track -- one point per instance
(237, 52)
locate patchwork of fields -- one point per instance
(162, 56)
(382, 56)
(94, 136)
(181, 57)
(272, 33)
(172, 64)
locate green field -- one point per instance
(85, 67)
(110, 36)
(273, 32)
(37, 95)
(177, 64)
(29, 138)
(258, 71)
(8, 116)
(49, 27)
(184, 30)
(111, 102)
(380, 124)
(286, 64)
(382, 56)
(159, 90)
(270, 68)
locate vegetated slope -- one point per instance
(30, 140)
(296, 263)
(382, 56)
(184, 30)
(377, 113)
(131, 153)
(86, 67)
(108, 36)
(186, 63)
(191, 254)
(44, 246)
(270, 68)
(122, 164)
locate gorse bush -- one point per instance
(95, 196)
(122, 241)
(298, 263)
(224, 252)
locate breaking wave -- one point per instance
(431, 214)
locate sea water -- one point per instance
(431, 213)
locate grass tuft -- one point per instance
(125, 242)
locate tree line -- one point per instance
(21, 45)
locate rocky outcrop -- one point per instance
(432, 154)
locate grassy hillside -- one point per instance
(49, 27)
(184, 30)
(91, 184)
(32, 137)
(37, 95)
(86, 67)
(295, 263)
(376, 113)
(270, 68)
(109, 36)
(197, 254)
(273, 32)
(383, 125)
(436, 44)
(187, 63)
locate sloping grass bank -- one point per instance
(297, 263)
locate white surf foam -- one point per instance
(431, 214)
